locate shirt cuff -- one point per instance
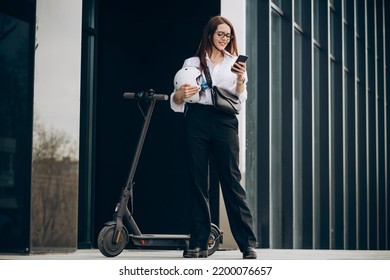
(175, 107)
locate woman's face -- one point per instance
(222, 37)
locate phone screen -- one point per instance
(242, 58)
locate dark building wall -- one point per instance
(17, 27)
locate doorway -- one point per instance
(141, 45)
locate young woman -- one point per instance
(213, 132)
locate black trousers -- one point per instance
(212, 132)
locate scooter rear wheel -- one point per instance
(105, 241)
(214, 240)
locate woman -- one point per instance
(213, 132)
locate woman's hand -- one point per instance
(185, 91)
(239, 68)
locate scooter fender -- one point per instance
(110, 223)
(113, 223)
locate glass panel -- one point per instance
(331, 30)
(298, 12)
(276, 132)
(56, 126)
(89, 13)
(332, 155)
(358, 66)
(278, 3)
(345, 10)
(316, 20)
(346, 51)
(15, 133)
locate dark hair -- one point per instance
(206, 41)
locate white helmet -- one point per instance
(188, 75)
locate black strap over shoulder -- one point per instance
(208, 77)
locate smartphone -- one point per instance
(240, 58)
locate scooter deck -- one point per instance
(160, 240)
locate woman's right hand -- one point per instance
(185, 91)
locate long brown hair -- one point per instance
(206, 41)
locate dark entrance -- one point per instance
(141, 44)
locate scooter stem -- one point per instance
(140, 144)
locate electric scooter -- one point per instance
(116, 234)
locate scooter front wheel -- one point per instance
(105, 241)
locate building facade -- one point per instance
(313, 132)
(319, 123)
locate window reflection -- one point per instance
(54, 191)
(55, 175)
(14, 130)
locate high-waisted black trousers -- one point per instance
(212, 132)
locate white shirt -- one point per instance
(221, 76)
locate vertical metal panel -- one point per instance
(301, 124)
(330, 42)
(307, 96)
(349, 132)
(324, 124)
(355, 84)
(296, 79)
(385, 25)
(371, 124)
(336, 152)
(252, 158)
(361, 163)
(376, 96)
(380, 151)
(334, 94)
(344, 122)
(320, 122)
(259, 27)
(87, 124)
(276, 166)
(287, 142)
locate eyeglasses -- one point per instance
(221, 35)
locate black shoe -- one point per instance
(195, 253)
(249, 253)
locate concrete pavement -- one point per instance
(263, 254)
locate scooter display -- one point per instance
(117, 233)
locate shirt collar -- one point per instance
(225, 53)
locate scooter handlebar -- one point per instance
(146, 95)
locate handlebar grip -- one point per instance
(129, 95)
(145, 95)
(158, 96)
